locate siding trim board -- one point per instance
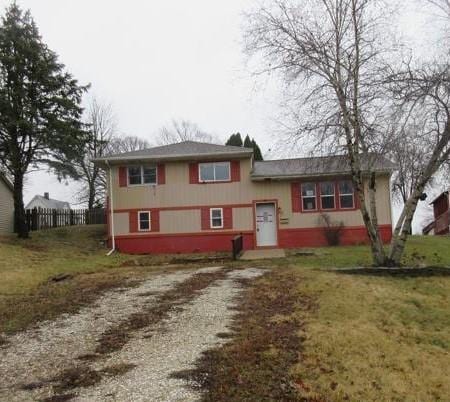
(221, 241)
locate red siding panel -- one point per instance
(193, 173)
(235, 170)
(123, 176)
(228, 218)
(295, 194)
(133, 217)
(221, 241)
(161, 173)
(154, 223)
(205, 219)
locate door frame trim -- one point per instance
(277, 227)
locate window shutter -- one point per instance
(228, 218)
(205, 219)
(133, 217)
(295, 194)
(154, 220)
(123, 180)
(193, 173)
(161, 173)
(235, 167)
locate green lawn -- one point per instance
(420, 251)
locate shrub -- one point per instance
(331, 230)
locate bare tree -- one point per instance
(128, 143)
(183, 130)
(335, 57)
(443, 5)
(101, 126)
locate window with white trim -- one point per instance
(139, 175)
(327, 196)
(309, 196)
(346, 194)
(144, 221)
(214, 171)
(216, 218)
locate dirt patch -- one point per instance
(396, 272)
(255, 364)
(59, 398)
(116, 337)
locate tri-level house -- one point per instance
(195, 197)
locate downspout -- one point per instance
(111, 208)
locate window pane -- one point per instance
(222, 171)
(327, 202)
(216, 222)
(216, 213)
(134, 175)
(149, 175)
(308, 189)
(327, 188)
(309, 204)
(206, 172)
(346, 201)
(144, 220)
(346, 187)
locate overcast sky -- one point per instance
(158, 60)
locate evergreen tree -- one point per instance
(40, 108)
(247, 142)
(235, 140)
(257, 154)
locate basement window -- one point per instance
(144, 221)
(216, 218)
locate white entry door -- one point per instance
(266, 225)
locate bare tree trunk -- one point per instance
(20, 224)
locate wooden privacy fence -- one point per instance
(44, 218)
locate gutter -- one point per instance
(111, 206)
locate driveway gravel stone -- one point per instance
(37, 355)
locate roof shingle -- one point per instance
(181, 150)
(316, 166)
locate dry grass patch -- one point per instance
(254, 365)
(376, 338)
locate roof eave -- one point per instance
(114, 160)
(303, 176)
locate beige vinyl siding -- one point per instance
(187, 221)
(6, 209)
(177, 192)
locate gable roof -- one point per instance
(4, 179)
(316, 166)
(48, 203)
(180, 151)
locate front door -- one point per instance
(266, 225)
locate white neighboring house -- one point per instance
(6, 205)
(45, 201)
(45, 220)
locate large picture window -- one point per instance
(309, 196)
(215, 171)
(346, 195)
(144, 221)
(327, 199)
(138, 175)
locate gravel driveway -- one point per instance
(31, 360)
